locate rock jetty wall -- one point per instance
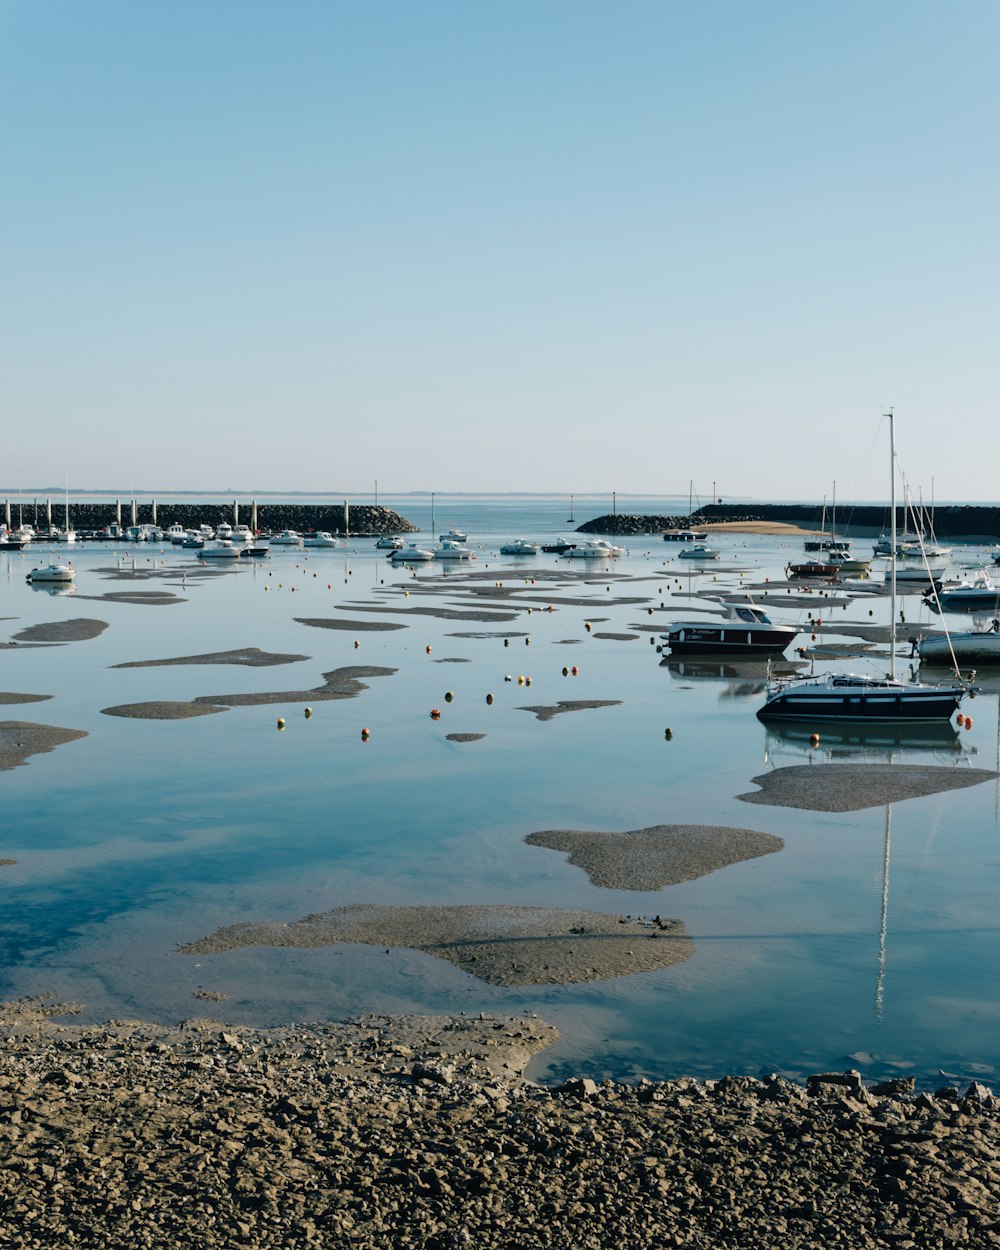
(958, 521)
(362, 519)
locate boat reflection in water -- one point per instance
(884, 741)
(743, 678)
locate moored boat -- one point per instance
(52, 573)
(221, 549)
(981, 594)
(519, 547)
(287, 538)
(973, 646)
(699, 552)
(844, 697)
(411, 553)
(746, 630)
(452, 549)
(594, 549)
(322, 538)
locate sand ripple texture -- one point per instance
(417, 1134)
(662, 855)
(852, 787)
(501, 945)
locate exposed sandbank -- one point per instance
(251, 657)
(661, 855)
(340, 683)
(853, 787)
(21, 739)
(502, 945)
(77, 630)
(162, 710)
(569, 705)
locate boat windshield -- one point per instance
(753, 616)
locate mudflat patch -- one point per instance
(9, 697)
(79, 629)
(21, 739)
(341, 683)
(853, 787)
(332, 622)
(251, 657)
(658, 856)
(569, 705)
(162, 710)
(502, 945)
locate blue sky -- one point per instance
(555, 245)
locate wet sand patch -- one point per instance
(144, 598)
(853, 787)
(7, 696)
(251, 657)
(340, 683)
(77, 630)
(464, 737)
(453, 659)
(569, 705)
(491, 634)
(661, 855)
(21, 739)
(617, 637)
(443, 614)
(162, 710)
(320, 622)
(502, 945)
(6, 863)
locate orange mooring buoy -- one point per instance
(435, 713)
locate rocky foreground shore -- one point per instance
(421, 1133)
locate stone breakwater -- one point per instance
(960, 521)
(362, 519)
(420, 1132)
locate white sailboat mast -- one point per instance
(892, 539)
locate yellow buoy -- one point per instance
(448, 696)
(489, 698)
(281, 722)
(308, 712)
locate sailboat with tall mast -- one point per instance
(845, 697)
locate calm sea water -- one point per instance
(870, 939)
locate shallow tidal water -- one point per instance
(870, 940)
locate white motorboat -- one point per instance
(390, 542)
(454, 536)
(594, 549)
(193, 542)
(973, 646)
(699, 552)
(322, 539)
(684, 536)
(52, 573)
(221, 549)
(519, 547)
(452, 549)
(979, 595)
(746, 630)
(224, 531)
(243, 534)
(411, 554)
(287, 538)
(846, 697)
(175, 534)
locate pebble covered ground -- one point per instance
(420, 1132)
